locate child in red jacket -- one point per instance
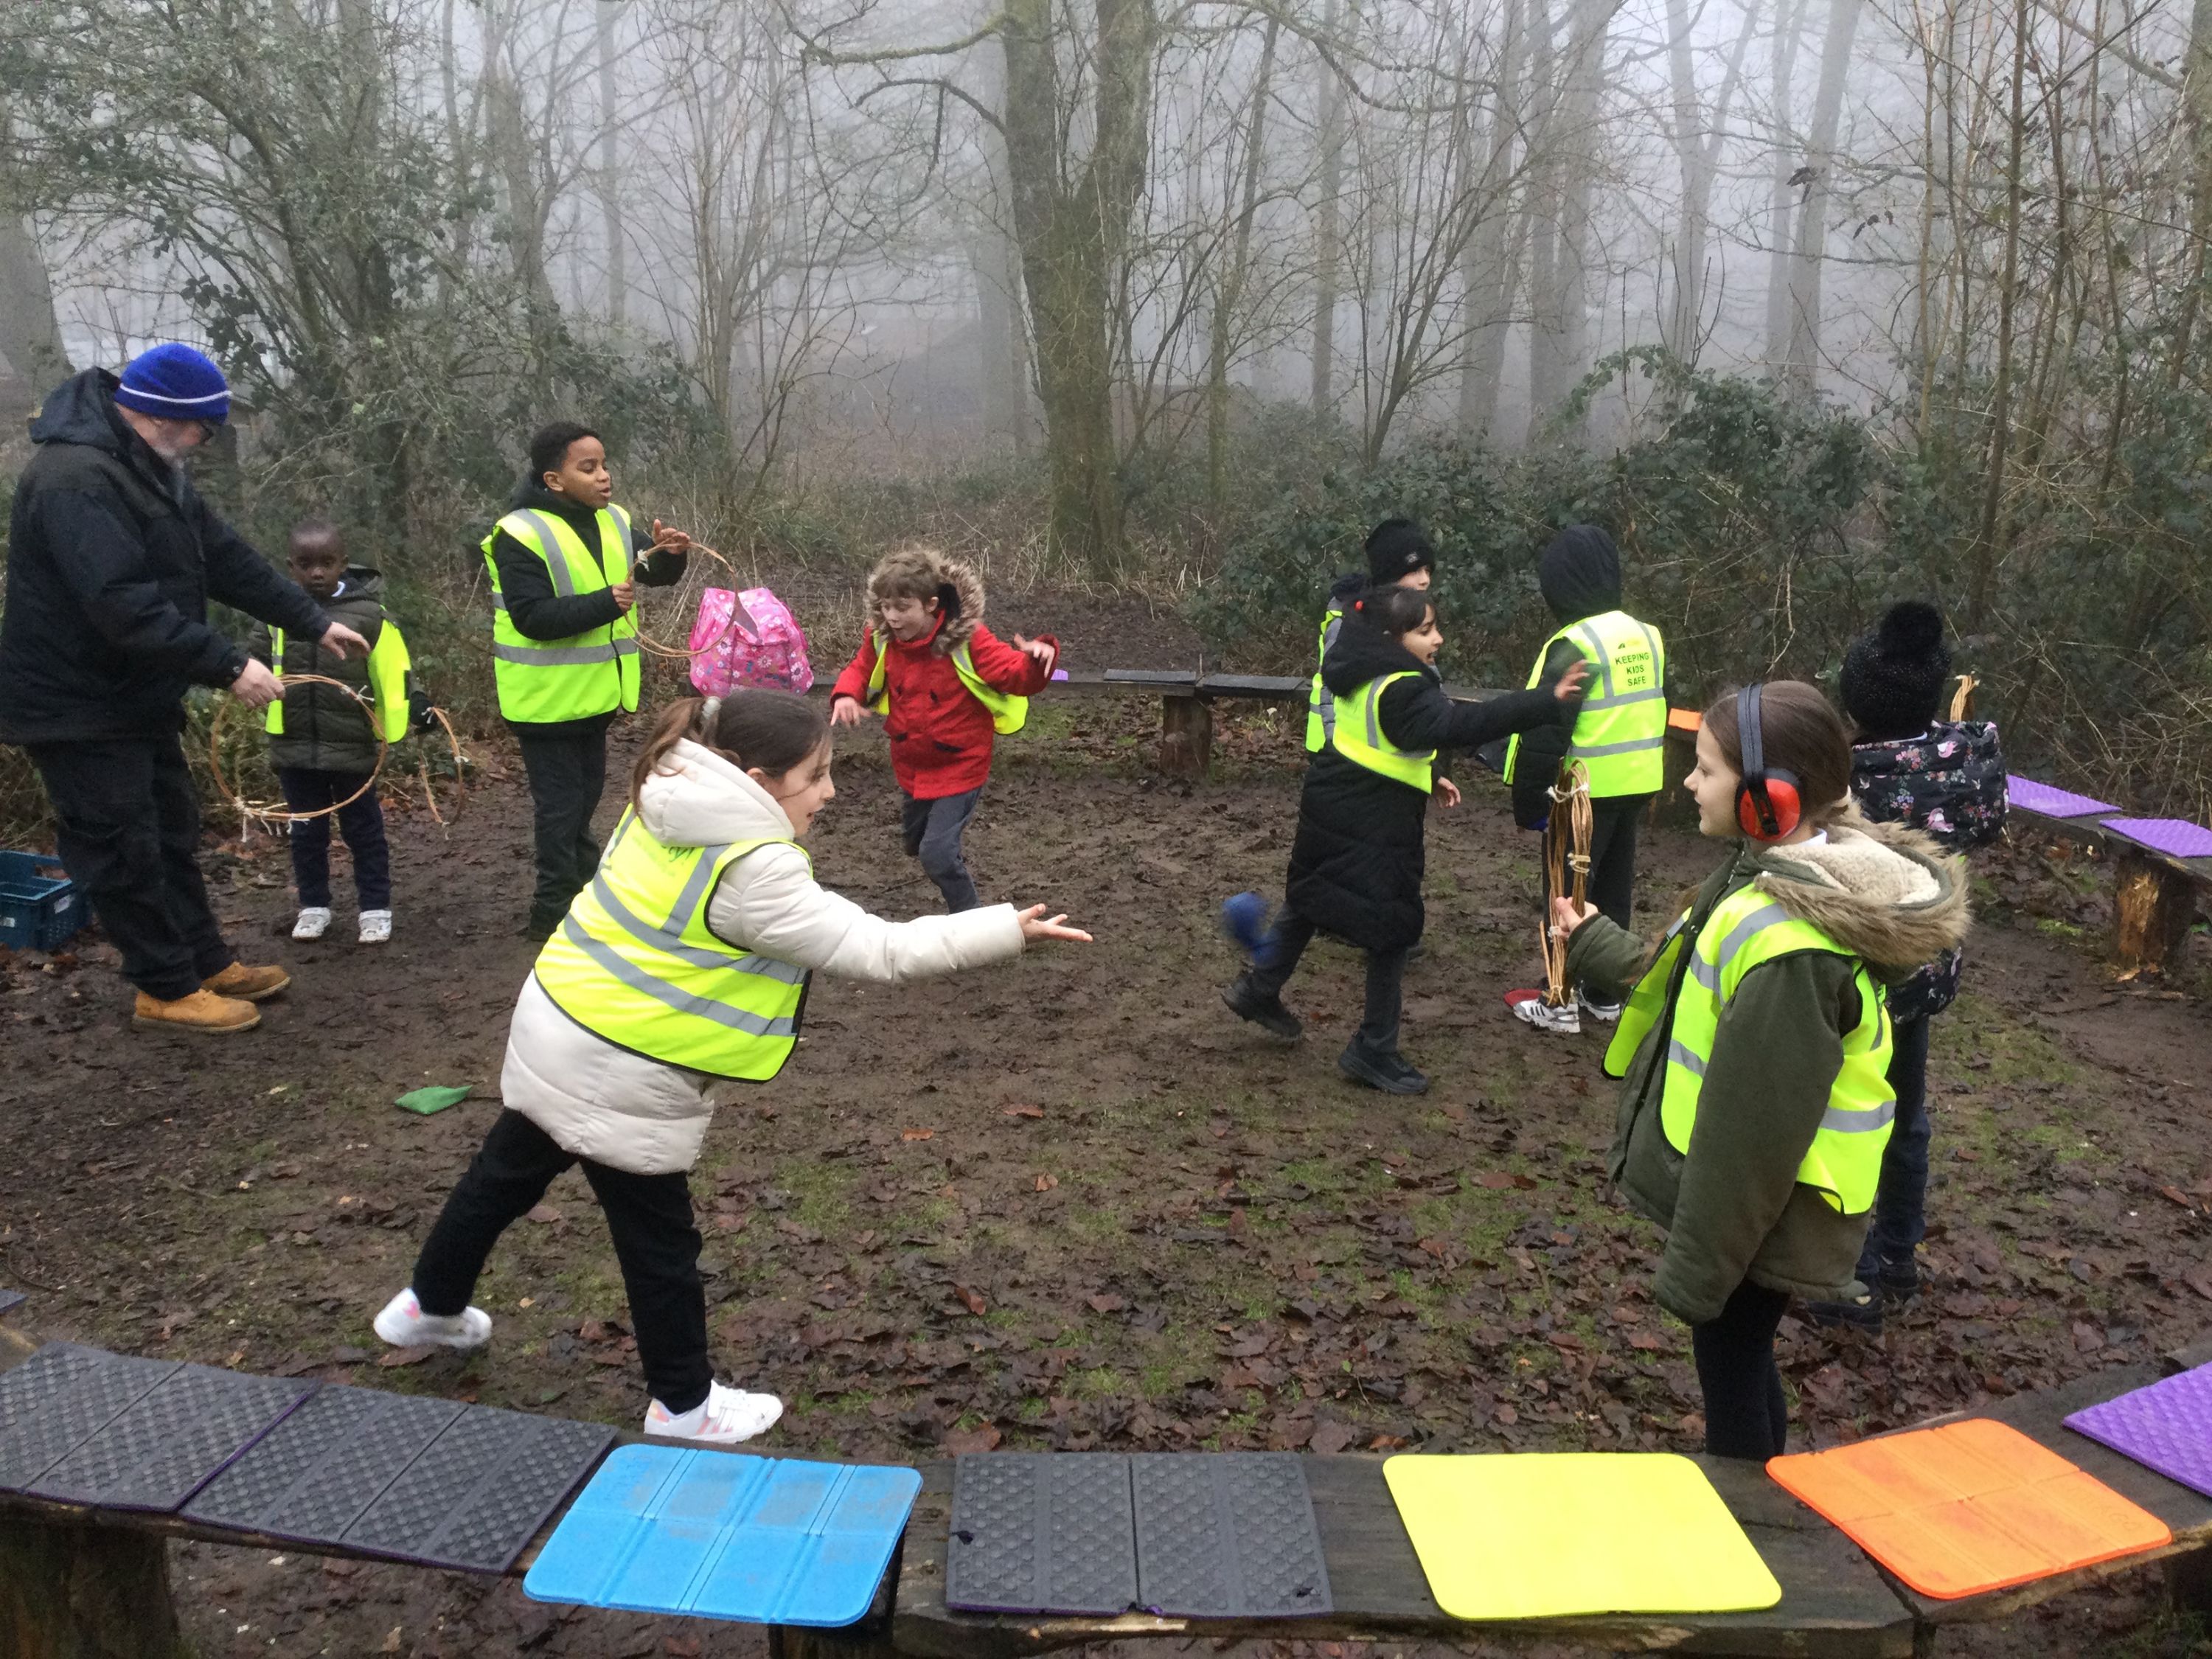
(947, 685)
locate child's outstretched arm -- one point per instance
(1415, 713)
(846, 704)
(769, 904)
(1022, 669)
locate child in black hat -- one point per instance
(1399, 555)
(1947, 778)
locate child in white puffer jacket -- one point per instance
(685, 961)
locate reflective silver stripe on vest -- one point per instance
(698, 955)
(1628, 748)
(625, 648)
(1623, 699)
(1373, 699)
(1600, 659)
(554, 656)
(1847, 1121)
(695, 888)
(1679, 1054)
(498, 600)
(556, 561)
(1325, 701)
(1758, 921)
(638, 980)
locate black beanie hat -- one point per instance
(1396, 548)
(1892, 679)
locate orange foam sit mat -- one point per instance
(1969, 1507)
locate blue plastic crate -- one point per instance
(41, 908)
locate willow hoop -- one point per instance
(1566, 867)
(265, 812)
(647, 643)
(460, 773)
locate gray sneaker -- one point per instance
(1390, 1072)
(1247, 1001)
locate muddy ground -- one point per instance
(1072, 1202)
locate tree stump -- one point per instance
(73, 1592)
(2153, 904)
(1186, 737)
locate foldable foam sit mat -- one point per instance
(1543, 1535)
(9, 1301)
(2176, 836)
(2030, 796)
(1969, 1507)
(87, 1426)
(412, 1478)
(2166, 1427)
(726, 1535)
(1225, 1535)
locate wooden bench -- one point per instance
(79, 1580)
(2156, 896)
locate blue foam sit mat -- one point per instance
(726, 1535)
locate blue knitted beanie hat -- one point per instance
(175, 383)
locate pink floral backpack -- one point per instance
(748, 639)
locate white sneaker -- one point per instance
(1529, 1006)
(314, 922)
(405, 1325)
(375, 926)
(1606, 1014)
(724, 1417)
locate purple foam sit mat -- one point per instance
(2030, 796)
(2166, 1427)
(2176, 836)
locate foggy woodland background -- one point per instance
(1815, 303)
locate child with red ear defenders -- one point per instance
(1755, 1045)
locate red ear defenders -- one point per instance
(1769, 804)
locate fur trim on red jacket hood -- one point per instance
(959, 599)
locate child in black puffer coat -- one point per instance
(1945, 778)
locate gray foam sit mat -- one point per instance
(413, 1477)
(1228, 1535)
(11, 1300)
(1036, 1532)
(86, 1426)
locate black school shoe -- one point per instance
(1265, 1011)
(1860, 1314)
(1389, 1071)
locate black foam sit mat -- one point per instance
(9, 1301)
(1042, 1532)
(86, 1426)
(1226, 1535)
(409, 1477)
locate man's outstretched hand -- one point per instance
(255, 686)
(342, 642)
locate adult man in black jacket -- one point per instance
(113, 558)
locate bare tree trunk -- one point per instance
(2197, 102)
(1542, 231)
(1989, 545)
(1328, 248)
(30, 334)
(1560, 351)
(1489, 269)
(1808, 257)
(611, 212)
(1789, 28)
(1698, 143)
(1233, 282)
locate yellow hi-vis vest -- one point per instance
(635, 962)
(1321, 701)
(388, 663)
(1620, 734)
(1358, 736)
(1744, 930)
(594, 673)
(1008, 712)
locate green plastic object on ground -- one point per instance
(435, 1098)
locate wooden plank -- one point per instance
(1834, 1605)
(1286, 688)
(2188, 1515)
(1165, 678)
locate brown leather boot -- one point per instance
(248, 984)
(203, 1011)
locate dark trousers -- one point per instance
(127, 826)
(1612, 885)
(568, 772)
(655, 1241)
(361, 823)
(1747, 1414)
(1900, 1202)
(933, 829)
(1386, 977)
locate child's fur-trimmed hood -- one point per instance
(1890, 896)
(959, 593)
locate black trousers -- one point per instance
(567, 771)
(361, 823)
(655, 1241)
(1386, 978)
(1747, 1414)
(127, 826)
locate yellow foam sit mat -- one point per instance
(1543, 1535)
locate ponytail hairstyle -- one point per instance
(1799, 732)
(1396, 611)
(773, 731)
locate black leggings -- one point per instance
(1745, 1413)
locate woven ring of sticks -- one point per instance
(267, 812)
(460, 773)
(645, 643)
